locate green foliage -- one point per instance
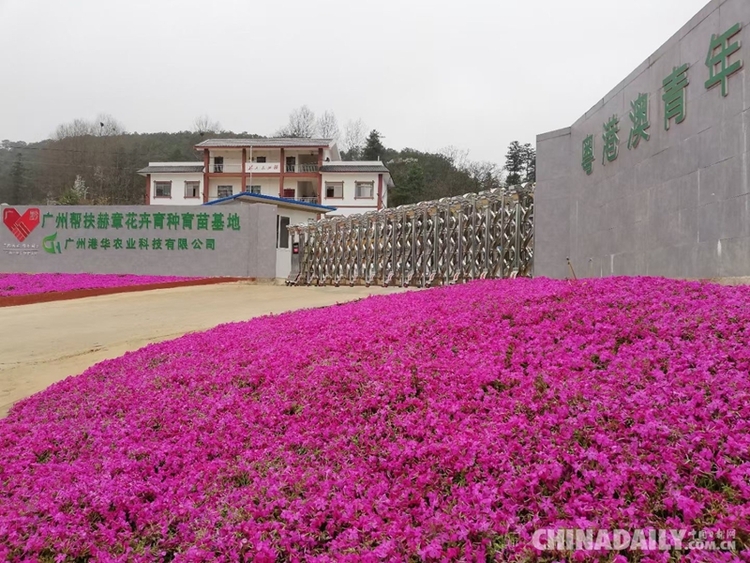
(374, 149)
(514, 163)
(107, 165)
(520, 163)
(37, 173)
(69, 197)
(530, 161)
(75, 195)
(421, 176)
(18, 178)
(411, 185)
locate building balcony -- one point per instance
(301, 168)
(221, 168)
(262, 168)
(305, 199)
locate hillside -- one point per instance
(42, 172)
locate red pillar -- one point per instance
(380, 191)
(148, 189)
(244, 175)
(282, 169)
(205, 176)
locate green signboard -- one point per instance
(107, 231)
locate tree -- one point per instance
(410, 188)
(529, 162)
(18, 187)
(485, 175)
(514, 163)
(8, 145)
(520, 163)
(301, 124)
(458, 158)
(76, 128)
(107, 126)
(328, 127)
(75, 195)
(104, 125)
(204, 124)
(374, 149)
(354, 140)
(108, 164)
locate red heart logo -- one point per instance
(21, 225)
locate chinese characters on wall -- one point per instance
(721, 48)
(118, 231)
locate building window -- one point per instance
(253, 189)
(335, 190)
(364, 190)
(260, 159)
(218, 164)
(282, 232)
(192, 189)
(224, 191)
(162, 189)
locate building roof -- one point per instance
(172, 167)
(354, 166)
(272, 142)
(279, 201)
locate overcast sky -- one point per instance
(475, 74)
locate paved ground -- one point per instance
(46, 342)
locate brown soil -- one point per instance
(14, 300)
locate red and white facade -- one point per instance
(307, 170)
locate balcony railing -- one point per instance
(292, 168)
(261, 168)
(306, 199)
(229, 168)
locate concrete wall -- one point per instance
(55, 242)
(678, 205)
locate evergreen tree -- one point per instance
(410, 188)
(529, 163)
(514, 163)
(374, 149)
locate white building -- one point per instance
(304, 170)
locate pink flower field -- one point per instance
(439, 425)
(12, 285)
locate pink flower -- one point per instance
(447, 424)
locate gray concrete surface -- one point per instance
(677, 205)
(47, 342)
(243, 239)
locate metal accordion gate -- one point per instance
(452, 240)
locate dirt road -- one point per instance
(44, 343)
